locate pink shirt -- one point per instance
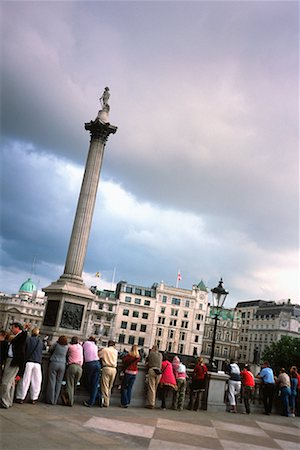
(75, 354)
(90, 351)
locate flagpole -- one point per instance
(113, 278)
(178, 278)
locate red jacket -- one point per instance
(200, 371)
(247, 378)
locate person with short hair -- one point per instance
(14, 363)
(92, 370)
(56, 370)
(32, 377)
(248, 384)
(154, 362)
(234, 384)
(74, 370)
(268, 386)
(284, 384)
(109, 360)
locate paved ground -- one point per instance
(41, 426)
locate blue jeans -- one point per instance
(285, 395)
(92, 369)
(126, 388)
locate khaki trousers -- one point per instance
(107, 381)
(8, 383)
(153, 381)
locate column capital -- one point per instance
(100, 130)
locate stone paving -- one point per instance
(42, 426)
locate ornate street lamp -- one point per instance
(218, 298)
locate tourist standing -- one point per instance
(167, 382)
(284, 384)
(179, 370)
(109, 360)
(56, 370)
(268, 387)
(74, 370)
(198, 384)
(294, 389)
(154, 361)
(234, 384)
(32, 377)
(248, 384)
(92, 370)
(15, 361)
(130, 370)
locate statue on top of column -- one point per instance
(104, 99)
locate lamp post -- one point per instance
(218, 295)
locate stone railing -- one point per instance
(213, 399)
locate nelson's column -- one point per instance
(68, 297)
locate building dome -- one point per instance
(27, 287)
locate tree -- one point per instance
(284, 353)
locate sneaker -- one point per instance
(149, 407)
(20, 401)
(86, 404)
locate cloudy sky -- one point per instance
(202, 175)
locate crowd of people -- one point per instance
(72, 362)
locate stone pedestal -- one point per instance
(216, 391)
(68, 297)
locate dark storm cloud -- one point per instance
(205, 98)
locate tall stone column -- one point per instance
(68, 297)
(87, 198)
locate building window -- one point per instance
(141, 341)
(131, 340)
(199, 316)
(137, 301)
(174, 312)
(143, 328)
(110, 308)
(158, 343)
(196, 338)
(128, 289)
(182, 336)
(121, 338)
(185, 314)
(128, 299)
(176, 301)
(135, 314)
(125, 312)
(184, 324)
(173, 322)
(147, 294)
(169, 346)
(138, 291)
(147, 303)
(145, 316)
(198, 326)
(162, 309)
(187, 303)
(133, 326)
(161, 320)
(181, 348)
(164, 299)
(100, 306)
(171, 334)
(159, 332)
(124, 325)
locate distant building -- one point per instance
(101, 314)
(227, 343)
(134, 315)
(26, 307)
(264, 322)
(179, 318)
